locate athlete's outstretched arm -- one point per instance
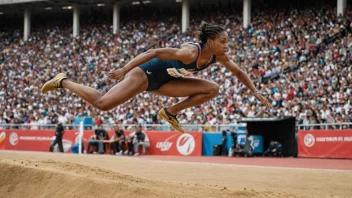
(184, 54)
(243, 77)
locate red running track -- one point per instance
(308, 163)
(334, 164)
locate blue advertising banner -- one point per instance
(209, 140)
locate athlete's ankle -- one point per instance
(169, 111)
(64, 82)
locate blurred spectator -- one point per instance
(97, 140)
(117, 141)
(245, 150)
(130, 140)
(274, 149)
(140, 139)
(233, 134)
(223, 144)
(59, 132)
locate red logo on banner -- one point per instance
(165, 145)
(309, 140)
(13, 139)
(185, 144)
(325, 143)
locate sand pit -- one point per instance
(65, 175)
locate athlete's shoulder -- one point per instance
(191, 50)
(223, 57)
(184, 53)
(191, 47)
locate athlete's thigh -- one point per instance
(134, 83)
(188, 86)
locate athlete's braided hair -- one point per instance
(208, 31)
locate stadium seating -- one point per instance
(300, 58)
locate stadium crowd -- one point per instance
(299, 57)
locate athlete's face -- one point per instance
(220, 45)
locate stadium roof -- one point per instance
(21, 3)
(2, 2)
(92, 2)
(18, 6)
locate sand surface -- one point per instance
(26, 174)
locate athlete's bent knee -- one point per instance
(213, 89)
(105, 108)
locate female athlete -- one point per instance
(163, 71)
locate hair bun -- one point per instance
(202, 30)
(203, 27)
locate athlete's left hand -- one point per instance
(263, 100)
(117, 74)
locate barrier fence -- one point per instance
(187, 127)
(154, 127)
(310, 143)
(325, 126)
(24, 137)
(171, 143)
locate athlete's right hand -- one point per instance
(263, 100)
(117, 74)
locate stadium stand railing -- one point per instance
(153, 127)
(336, 126)
(166, 127)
